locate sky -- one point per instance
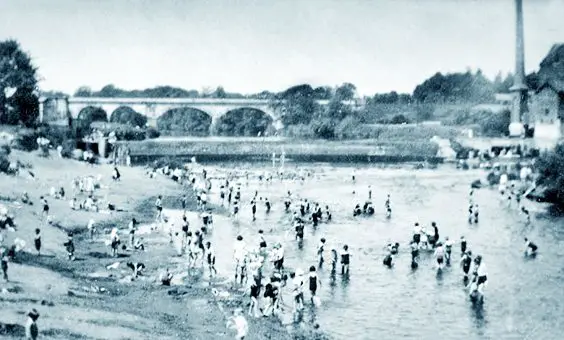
(249, 46)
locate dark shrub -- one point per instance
(185, 121)
(126, 115)
(152, 133)
(68, 147)
(4, 164)
(5, 150)
(26, 140)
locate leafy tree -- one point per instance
(551, 175)
(297, 105)
(83, 91)
(244, 122)
(185, 121)
(323, 93)
(347, 91)
(219, 93)
(18, 81)
(126, 115)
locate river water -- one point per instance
(524, 298)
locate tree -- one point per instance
(243, 122)
(347, 91)
(297, 105)
(551, 175)
(126, 115)
(83, 91)
(185, 121)
(18, 82)
(219, 93)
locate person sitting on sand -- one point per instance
(137, 268)
(116, 176)
(239, 323)
(139, 244)
(166, 278)
(25, 199)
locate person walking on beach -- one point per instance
(45, 206)
(69, 245)
(37, 241)
(91, 228)
(132, 229)
(31, 329)
(159, 207)
(114, 241)
(210, 256)
(4, 258)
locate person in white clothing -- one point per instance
(239, 323)
(239, 255)
(481, 273)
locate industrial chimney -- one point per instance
(519, 88)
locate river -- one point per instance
(523, 298)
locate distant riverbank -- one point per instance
(217, 149)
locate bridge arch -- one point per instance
(185, 120)
(92, 114)
(127, 115)
(244, 121)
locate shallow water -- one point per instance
(523, 298)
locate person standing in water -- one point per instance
(440, 255)
(481, 274)
(254, 208)
(463, 245)
(314, 283)
(320, 250)
(466, 263)
(345, 260)
(448, 249)
(334, 260)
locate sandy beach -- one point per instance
(83, 299)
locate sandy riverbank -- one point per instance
(73, 302)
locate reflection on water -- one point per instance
(523, 298)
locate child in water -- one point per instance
(345, 260)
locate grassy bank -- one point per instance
(73, 302)
(263, 148)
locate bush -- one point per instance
(243, 122)
(56, 134)
(26, 140)
(399, 119)
(185, 121)
(152, 133)
(126, 115)
(5, 150)
(130, 134)
(68, 147)
(299, 131)
(4, 164)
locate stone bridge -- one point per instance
(153, 108)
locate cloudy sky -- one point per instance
(252, 45)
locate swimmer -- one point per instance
(334, 259)
(466, 263)
(210, 255)
(440, 255)
(525, 212)
(314, 283)
(448, 248)
(476, 213)
(417, 233)
(530, 248)
(480, 273)
(320, 251)
(345, 260)
(388, 260)
(463, 245)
